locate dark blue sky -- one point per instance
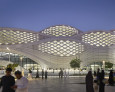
(40, 14)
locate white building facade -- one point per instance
(56, 46)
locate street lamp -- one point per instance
(104, 65)
(9, 53)
(21, 63)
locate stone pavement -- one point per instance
(54, 84)
(61, 85)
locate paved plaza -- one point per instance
(54, 84)
(75, 84)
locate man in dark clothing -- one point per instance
(7, 81)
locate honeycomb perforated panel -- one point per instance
(17, 37)
(98, 38)
(60, 31)
(61, 48)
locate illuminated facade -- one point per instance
(56, 46)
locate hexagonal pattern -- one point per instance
(61, 48)
(60, 31)
(17, 37)
(98, 38)
(113, 39)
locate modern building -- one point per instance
(56, 46)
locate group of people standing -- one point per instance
(97, 82)
(63, 73)
(9, 84)
(44, 74)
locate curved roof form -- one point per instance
(16, 36)
(60, 30)
(57, 45)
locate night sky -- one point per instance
(37, 15)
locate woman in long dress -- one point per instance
(89, 82)
(101, 82)
(111, 80)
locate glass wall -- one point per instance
(23, 61)
(101, 65)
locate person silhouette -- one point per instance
(42, 74)
(89, 82)
(111, 80)
(46, 74)
(101, 81)
(7, 81)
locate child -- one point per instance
(95, 85)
